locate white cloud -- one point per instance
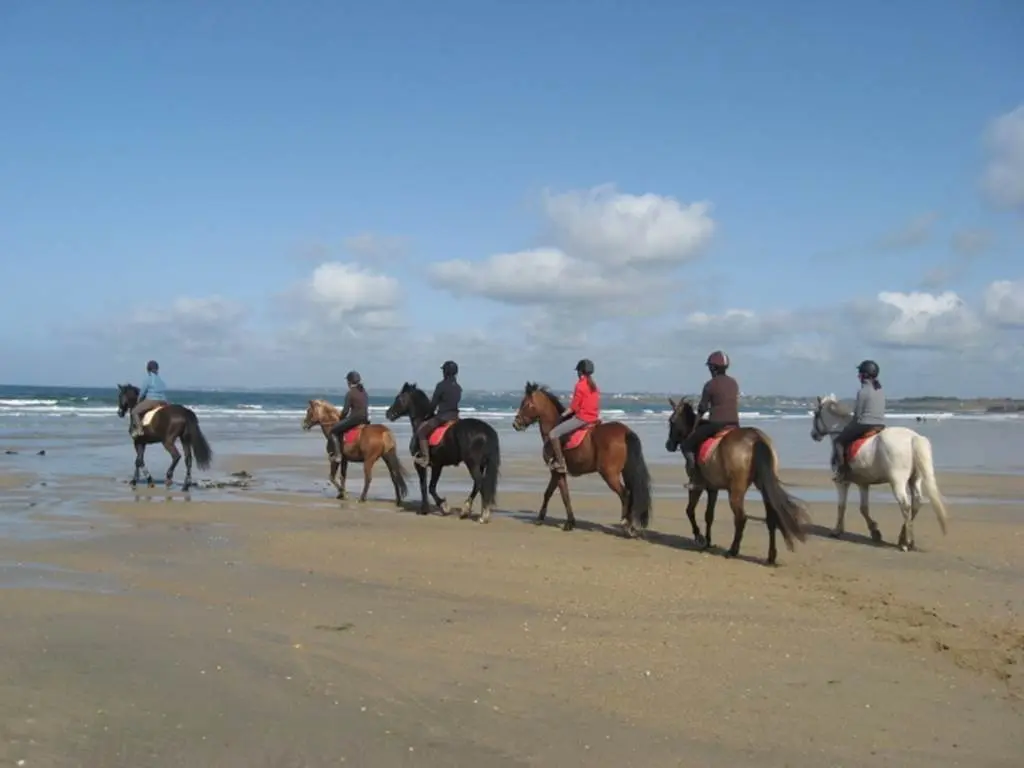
(350, 294)
(540, 276)
(613, 228)
(1004, 303)
(1003, 178)
(920, 319)
(739, 327)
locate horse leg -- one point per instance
(548, 493)
(736, 495)
(186, 447)
(709, 515)
(876, 535)
(367, 477)
(478, 477)
(693, 498)
(342, 477)
(435, 475)
(422, 472)
(563, 488)
(175, 458)
(140, 465)
(843, 489)
(899, 490)
(615, 483)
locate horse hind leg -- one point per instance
(172, 449)
(466, 510)
(736, 495)
(900, 491)
(367, 478)
(615, 483)
(186, 447)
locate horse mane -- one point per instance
(418, 396)
(129, 388)
(532, 386)
(832, 405)
(689, 413)
(324, 404)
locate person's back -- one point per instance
(357, 404)
(446, 399)
(155, 388)
(869, 407)
(722, 396)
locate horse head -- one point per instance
(681, 422)
(538, 403)
(317, 412)
(127, 398)
(404, 403)
(828, 418)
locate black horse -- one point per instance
(472, 441)
(170, 423)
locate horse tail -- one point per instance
(195, 436)
(788, 511)
(492, 468)
(921, 448)
(637, 480)
(396, 470)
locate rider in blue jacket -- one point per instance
(153, 395)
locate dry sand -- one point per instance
(294, 630)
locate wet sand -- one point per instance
(289, 629)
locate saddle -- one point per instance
(574, 438)
(706, 448)
(854, 447)
(149, 415)
(438, 434)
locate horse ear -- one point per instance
(672, 403)
(819, 401)
(310, 403)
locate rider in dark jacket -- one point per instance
(721, 396)
(445, 405)
(354, 412)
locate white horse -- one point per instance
(897, 456)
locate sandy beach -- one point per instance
(286, 628)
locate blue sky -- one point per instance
(269, 193)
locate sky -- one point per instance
(270, 194)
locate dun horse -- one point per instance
(731, 461)
(165, 424)
(470, 441)
(609, 448)
(363, 444)
(897, 456)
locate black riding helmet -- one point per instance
(152, 366)
(353, 378)
(585, 366)
(450, 368)
(868, 368)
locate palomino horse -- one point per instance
(731, 461)
(609, 448)
(165, 425)
(895, 455)
(470, 441)
(365, 443)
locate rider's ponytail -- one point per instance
(876, 384)
(590, 381)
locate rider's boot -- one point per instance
(423, 458)
(838, 466)
(557, 457)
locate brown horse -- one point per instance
(733, 460)
(364, 444)
(609, 448)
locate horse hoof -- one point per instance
(700, 541)
(340, 496)
(835, 534)
(876, 536)
(568, 525)
(538, 521)
(152, 484)
(770, 563)
(423, 511)
(732, 552)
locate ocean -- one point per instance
(80, 425)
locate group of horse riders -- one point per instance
(719, 400)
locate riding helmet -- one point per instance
(152, 366)
(450, 368)
(718, 359)
(585, 366)
(353, 377)
(868, 368)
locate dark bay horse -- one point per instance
(732, 461)
(166, 424)
(609, 448)
(470, 441)
(365, 444)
